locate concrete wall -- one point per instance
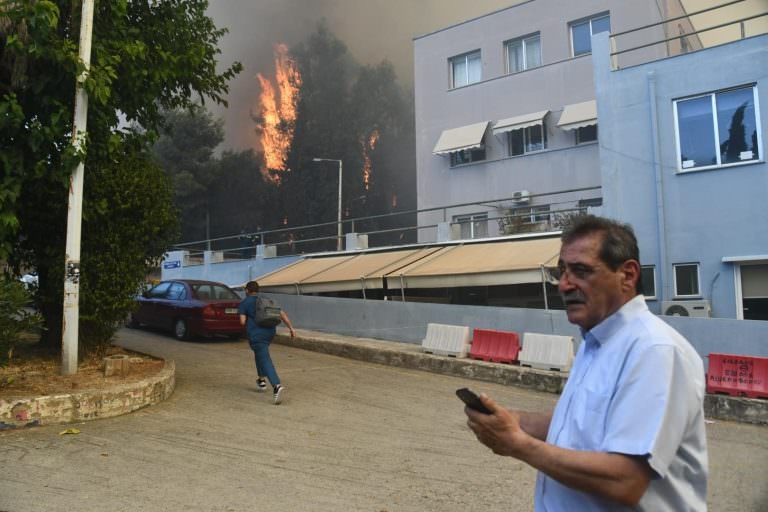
(560, 81)
(705, 215)
(232, 273)
(407, 322)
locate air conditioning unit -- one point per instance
(521, 196)
(692, 308)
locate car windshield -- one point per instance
(208, 291)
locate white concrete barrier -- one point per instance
(446, 340)
(547, 351)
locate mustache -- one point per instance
(574, 297)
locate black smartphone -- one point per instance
(472, 400)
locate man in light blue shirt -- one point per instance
(628, 430)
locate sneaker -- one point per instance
(278, 394)
(261, 385)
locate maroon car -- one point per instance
(189, 308)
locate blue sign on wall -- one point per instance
(172, 264)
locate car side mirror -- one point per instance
(145, 293)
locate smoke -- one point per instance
(373, 30)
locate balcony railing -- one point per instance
(687, 33)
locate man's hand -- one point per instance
(613, 476)
(499, 431)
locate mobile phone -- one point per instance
(472, 400)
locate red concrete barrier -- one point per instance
(495, 346)
(738, 375)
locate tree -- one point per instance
(185, 152)
(322, 130)
(147, 57)
(242, 201)
(131, 221)
(343, 108)
(383, 116)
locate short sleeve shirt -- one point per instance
(636, 388)
(255, 333)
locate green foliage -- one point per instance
(185, 152)
(130, 221)
(16, 319)
(229, 188)
(146, 57)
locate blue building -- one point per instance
(682, 159)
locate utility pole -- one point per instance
(339, 239)
(69, 331)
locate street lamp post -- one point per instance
(338, 227)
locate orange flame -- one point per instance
(368, 145)
(277, 113)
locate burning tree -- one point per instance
(326, 105)
(277, 116)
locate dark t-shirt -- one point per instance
(255, 333)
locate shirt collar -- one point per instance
(603, 331)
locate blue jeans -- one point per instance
(264, 364)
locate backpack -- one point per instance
(267, 312)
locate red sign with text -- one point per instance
(738, 375)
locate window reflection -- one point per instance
(736, 126)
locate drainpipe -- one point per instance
(661, 221)
(402, 288)
(362, 285)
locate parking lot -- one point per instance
(350, 436)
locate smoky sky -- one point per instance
(373, 30)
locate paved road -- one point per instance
(351, 436)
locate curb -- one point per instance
(409, 355)
(89, 404)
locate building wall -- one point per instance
(705, 215)
(232, 273)
(407, 322)
(560, 81)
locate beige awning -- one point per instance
(519, 122)
(286, 279)
(480, 264)
(341, 273)
(578, 115)
(457, 139)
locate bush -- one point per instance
(16, 319)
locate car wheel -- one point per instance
(131, 322)
(181, 330)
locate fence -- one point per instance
(692, 31)
(533, 213)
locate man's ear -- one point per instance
(631, 271)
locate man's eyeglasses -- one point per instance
(576, 271)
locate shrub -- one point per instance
(16, 319)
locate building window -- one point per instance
(586, 134)
(474, 225)
(648, 281)
(533, 214)
(687, 280)
(582, 31)
(717, 129)
(523, 53)
(467, 156)
(465, 69)
(592, 202)
(526, 140)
